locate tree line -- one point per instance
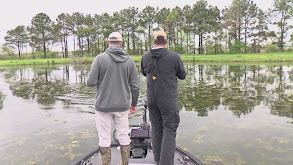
(240, 27)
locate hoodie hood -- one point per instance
(158, 53)
(117, 53)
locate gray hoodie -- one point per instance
(114, 73)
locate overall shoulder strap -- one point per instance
(156, 69)
(154, 63)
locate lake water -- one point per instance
(230, 115)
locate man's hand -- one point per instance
(132, 109)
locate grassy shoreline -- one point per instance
(261, 58)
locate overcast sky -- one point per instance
(21, 12)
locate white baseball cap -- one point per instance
(115, 36)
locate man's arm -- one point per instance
(134, 85)
(141, 67)
(93, 76)
(180, 70)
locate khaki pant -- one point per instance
(104, 122)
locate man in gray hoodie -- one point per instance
(114, 74)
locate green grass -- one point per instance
(237, 59)
(48, 61)
(261, 58)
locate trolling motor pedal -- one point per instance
(140, 136)
(139, 142)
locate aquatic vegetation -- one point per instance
(45, 133)
(72, 156)
(275, 144)
(198, 139)
(228, 125)
(74, 142)
(202, 129)
(22, 141)
(281, 140)
(81, 134)
(210, 160)
(67, 150)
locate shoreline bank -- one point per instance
(257, 59)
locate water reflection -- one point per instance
(47, 85)
(2, 97)
(237, 88)
(226, 112)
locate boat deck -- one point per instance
(181, 158)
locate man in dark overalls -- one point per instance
(162, 69)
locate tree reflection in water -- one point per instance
(47, 85)
(207, 87)
(2, 97)
(237, 88)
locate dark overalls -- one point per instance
(162, 69)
